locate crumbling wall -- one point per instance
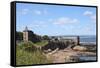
(56, 44)
(69, 42)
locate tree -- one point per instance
(19, 36)
(45, 37)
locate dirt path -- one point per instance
(66, 55)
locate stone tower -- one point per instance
(25, 34)
(28, 35)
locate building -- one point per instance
(29, 35)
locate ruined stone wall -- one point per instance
(70, 42)
(57, 44)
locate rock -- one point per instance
(54, 51)
(71, 59)
(49, 50)
(80, 48)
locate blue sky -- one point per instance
(55, 19)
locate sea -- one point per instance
(84, 39)
(88, 39)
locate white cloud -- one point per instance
(90, 15)
(50, 20)
(65, 20)
(88, 30)
(93, 17)
(37, 24)
(74, 21)
(39, 12)
(24, 11)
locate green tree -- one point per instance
(45, 37)
(19, 35)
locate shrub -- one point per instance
(28, 46)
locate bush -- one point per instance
(28, 46)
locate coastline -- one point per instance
(71, 55)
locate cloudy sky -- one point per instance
(55, 19)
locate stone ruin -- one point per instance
(54, 42)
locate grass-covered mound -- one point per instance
(41, 43)
(28, 54)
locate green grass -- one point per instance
(27, 55)
(41, 43)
